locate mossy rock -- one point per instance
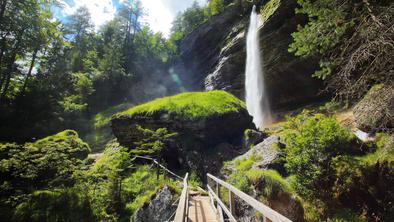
(189, 106)
(375, 111)
(212, 117)
(67, 141)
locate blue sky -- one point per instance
(160, 13)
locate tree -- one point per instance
(80, 30)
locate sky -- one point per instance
(159, 13)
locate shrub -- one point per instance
(153, 142)
(312, 140)
(45, 164)
(269, 182)
(55, 205)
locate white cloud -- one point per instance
(161, 13)
(101, 10)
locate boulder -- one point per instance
(267, 154)
(376, 110)
(159, 209)
(203, 121)
(216, 60)
(253, 137)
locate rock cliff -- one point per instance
(216, 60)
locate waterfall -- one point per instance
(256, 97)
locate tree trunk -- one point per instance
(3, 44)
(7, 76)
(2, 9)
(30, 70)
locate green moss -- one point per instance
(103, 118)
(142, 185)
(190, 105)
(67, 141)
(55, 205)
(246, 163)
(274, 181)
(269, 8)
(101, 133)
(139, 183)
(247, 179)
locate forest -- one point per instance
(80, 104)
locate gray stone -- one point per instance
(253, 137)
(265, 151)
(159, 209)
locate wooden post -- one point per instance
(231, 201)
(218, 194)
(158, 172)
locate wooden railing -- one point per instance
(268, 213)
(183, 205)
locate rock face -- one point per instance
(200, 49)
(266, 153)
(216, 60)
(376, 110)
(252, 137)
(159, 209)
(210, 126)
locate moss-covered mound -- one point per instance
(213, 117)
(190, 105)
(47, 163)
(201, 121)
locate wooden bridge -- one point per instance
(193, 207)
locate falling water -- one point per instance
(256, 98)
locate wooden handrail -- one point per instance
(260, 207)
(221, 205)
(182, 210)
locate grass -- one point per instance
(101, 133)
(190, 105)
(143, 185)
(103, 118)
(384, 150)
(65, 140)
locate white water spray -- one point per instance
(256, 97)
